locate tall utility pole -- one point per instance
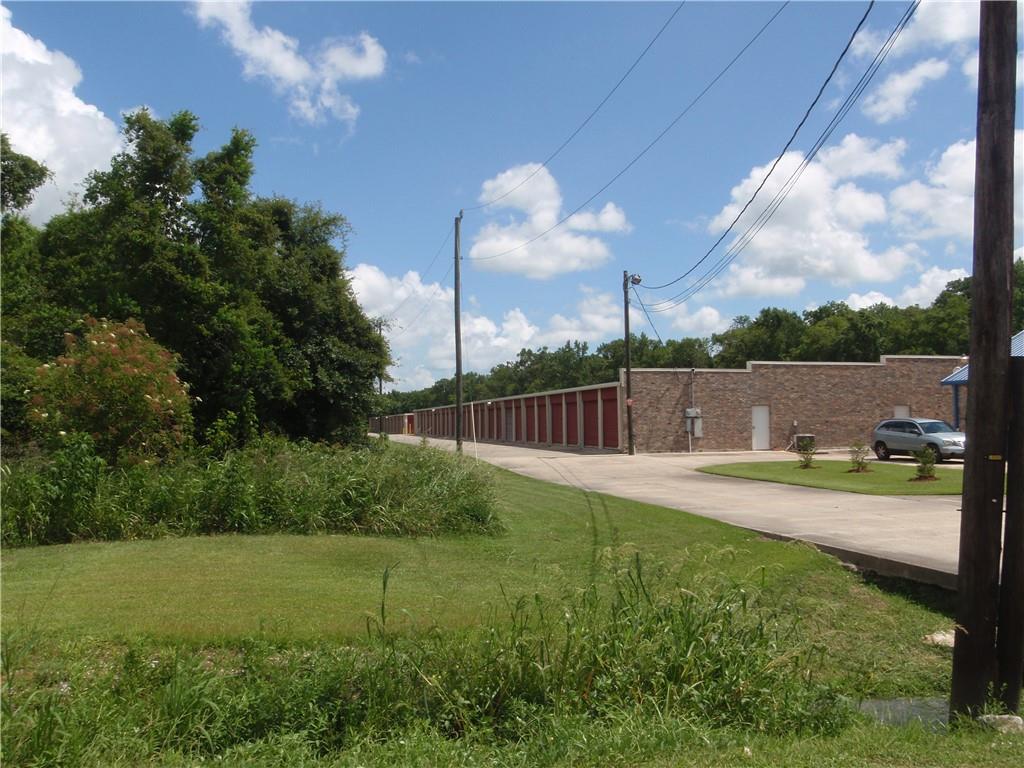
(627, 280)
(458, 333)
(974, 652)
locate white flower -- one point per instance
(62, 433)
(199, 399)
(26, 391)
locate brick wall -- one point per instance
(837, 402)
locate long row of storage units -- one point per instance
(583, 417)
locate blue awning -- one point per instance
(960, 375)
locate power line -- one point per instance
(765, 216)
(426, 304)
(778, 159)
(646, 149)
(589, 117)
(423, 274)
(650, 322)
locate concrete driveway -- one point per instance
(914, 537)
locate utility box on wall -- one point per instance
(694, 422)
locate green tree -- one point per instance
(20, 177)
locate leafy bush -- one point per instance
(859, 457)
(805, 449)
(17, 374)
(703, 654)
(117, 385)
(270, 485)
(925, 464)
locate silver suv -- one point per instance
(904, 436)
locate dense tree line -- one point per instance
(249, 292)
(832, 332)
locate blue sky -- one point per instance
(397, 115)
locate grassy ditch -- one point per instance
(706, 652)
(272, 485)
(880, 479)
(549, 644)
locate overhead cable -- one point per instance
(423, 274)
(765, 216)
(589, 117)
(778, 159)
(646, 149)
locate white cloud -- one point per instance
(930, 285)
(943, 204)
(539, 198)
(857, 156)
(701, 322)
(818, 232)
(598, 317)
(46, 120)
(311, 84)
(936, 24)
(755, 280)
(869, 299)
(611, 218)
(970, 70)
(894, 98)
(422, 335)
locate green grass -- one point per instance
(881, 480)
(82, 612)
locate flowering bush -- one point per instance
(117, 385)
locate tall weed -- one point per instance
(655, 649)
(270, 485)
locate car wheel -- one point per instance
(882, 451)
(936, 452)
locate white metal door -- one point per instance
(901, 411)
(760, 428)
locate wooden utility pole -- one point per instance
(458, 333)
(974, 652)
(627, 279)
(1010, 632)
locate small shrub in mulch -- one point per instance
(858, 458)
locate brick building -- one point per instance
(761, 406)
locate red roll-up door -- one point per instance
(590, 406)
(572, 427)
(531, 424)
(556, 419)
(610, 417)
(542, 420)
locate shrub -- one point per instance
(270, 485)
(56, 502)
(925, 464)
(17, 375)
(805, 449)
(117, 385)
(859, 457)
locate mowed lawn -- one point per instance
(881, 479)
(285, 588)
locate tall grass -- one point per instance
(271, 485)
(704, 654)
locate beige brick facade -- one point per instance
(839, 403)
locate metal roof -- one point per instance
(961, 375)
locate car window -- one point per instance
(933, 427)
(910, 428)
(890, 426)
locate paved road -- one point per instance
(911, 536)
